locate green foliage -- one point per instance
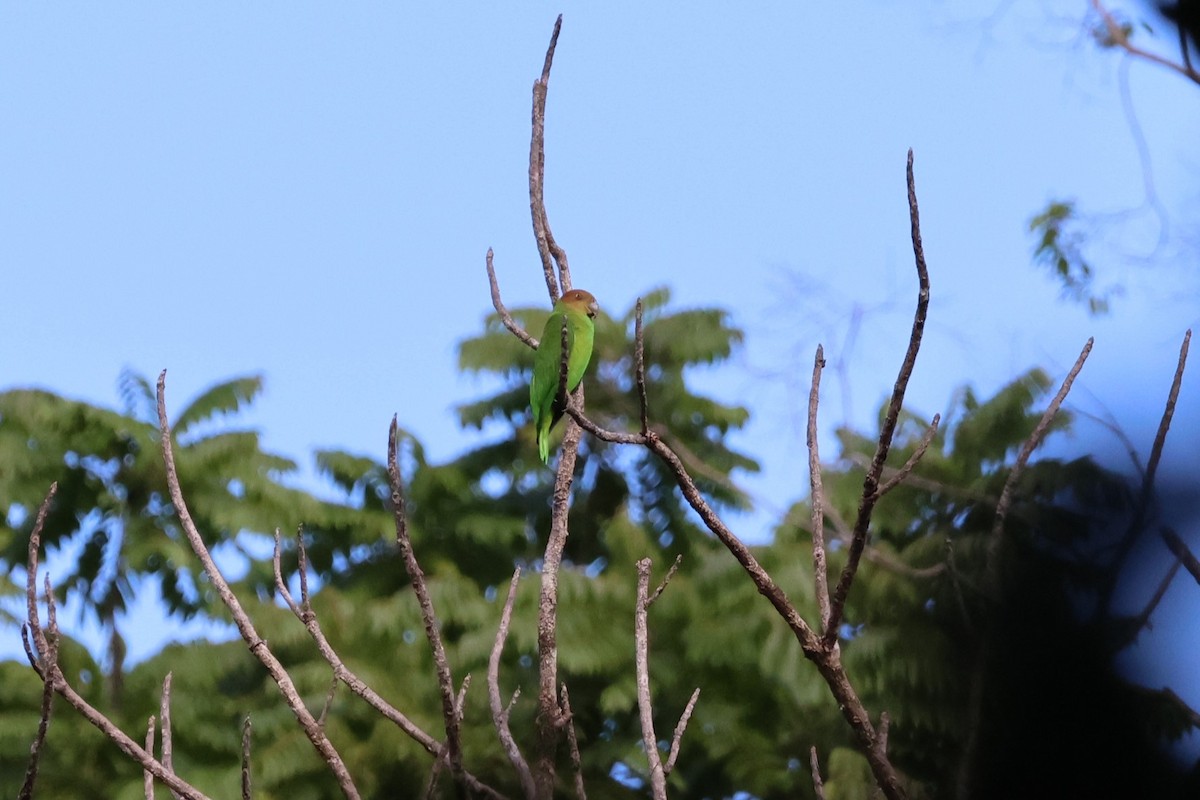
(111, 501)
(1060, 248)
(916, 621)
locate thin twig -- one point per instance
(680, 728)
(498, 304)
(26, 635)
(548, 248)
(280, 583)
(500, 714)
(360, 688)
(1018, 468)
(302, 570)
(460, 699)
(666, 579)
(817, 494)
(432, 629)
(1119, 38)
(241, 619)
(1145, 498)
(991, 580)
(901, 474)
(147, 775)
(573, 746)
(164, 721)
(43, 639)
(815, 766)
(1143, 619)
(41, 643)
(246, 758)
(1164, 423)
(870, 494)
(1181, 552)
(329, 698)
(639, 365)
(641, 635)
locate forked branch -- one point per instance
(314, 732)
(870, 491)
(43, 654)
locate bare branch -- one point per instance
(548, 248)
(240, 618)
(549, 716)
(147, 775)
(498, 304)
(1181, 552)
(680, 727)
(46, 640)
(1164, 424)
(826, 658)
(564, 361)
(639, 364)
(500, 714)
(815, 766)
(164, 718)
(1018, 468)
(432, 629)
(667, 579)
(870, 494)
(246, 758)
(26, 635)
(360, 688)
(901, 474)
(39, 739)
(41, 644)
(817, 494)
(1143, 619)
(329, 698)
(573, 745)
(1118, 37)
(363, 690)
(302, 570)
(641, 635)
(991, 578)
(280, 583)
(1137, 520)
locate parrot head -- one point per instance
(579, 300)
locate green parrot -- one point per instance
(578, 308)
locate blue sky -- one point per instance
(308, 191)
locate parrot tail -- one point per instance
(543, 441)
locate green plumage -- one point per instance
(577, 308)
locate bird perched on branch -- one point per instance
(576, 309)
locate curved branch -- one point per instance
(498, 304)
(499, 712)
(450, 715)
(258, 646)
(1118, 37)
(870, 493)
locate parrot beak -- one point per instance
(593, 309)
